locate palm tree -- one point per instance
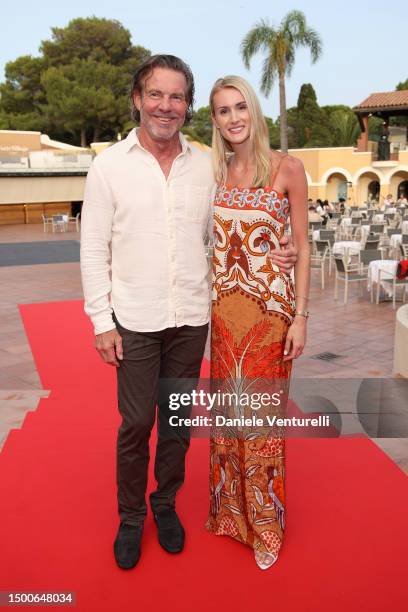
(346, 128)
(280, 45)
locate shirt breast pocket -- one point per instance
(196, 203)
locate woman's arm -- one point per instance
(297, 194)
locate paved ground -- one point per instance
(361, 333)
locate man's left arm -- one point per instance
(285, 257)
(210, 218)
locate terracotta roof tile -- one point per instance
(396, 99)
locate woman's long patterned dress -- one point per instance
(252, 308)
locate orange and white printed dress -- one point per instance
(253, 306)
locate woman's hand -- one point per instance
(295, 339)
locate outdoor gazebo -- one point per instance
(383, 105)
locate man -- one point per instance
(147, 209)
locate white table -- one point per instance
(350, 247)
(386, 265)
(404, 227)
(345, 221)
(391, 209)
(378, 218)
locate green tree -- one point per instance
(273, 129)
(310, 123)
(22, 95)
(331, 108)
(280, 45)
(345, 128)
(401, 121)
(84, 97)
(375, 128)
(292, 115)
(91, 38)
(306, 94)
(79, 86)
(4, 121)
(200, 126)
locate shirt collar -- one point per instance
(133, 140)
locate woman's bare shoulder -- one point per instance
(294, 164)
(294, 171)
(275, 156)
(290, 161)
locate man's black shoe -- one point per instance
(127, 545)
(171, 531)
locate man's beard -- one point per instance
(159, 132)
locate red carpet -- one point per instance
(346, 539)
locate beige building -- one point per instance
(370, 171)
(39, 176)
(357, 176)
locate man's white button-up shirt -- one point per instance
(142, 238)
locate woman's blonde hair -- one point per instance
(259, 135)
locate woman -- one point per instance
(257, 328)
(327, 208)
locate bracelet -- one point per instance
(302, 313)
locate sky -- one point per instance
(364, 41)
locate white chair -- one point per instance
(372, 243)
(365, 257)
(392, 282)
(328, 236)
(348, 273)
(317, 259)
(47, 221)
(74, 221)
(404, 249)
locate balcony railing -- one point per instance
(394, 156)
(46, 161)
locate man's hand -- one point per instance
(286, 257)
(109, 346)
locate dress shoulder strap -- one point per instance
(276, 171)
